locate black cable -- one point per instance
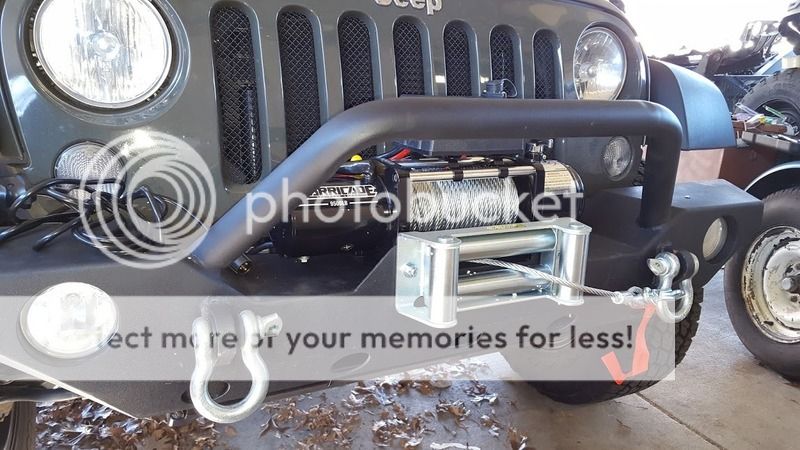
(85, 207)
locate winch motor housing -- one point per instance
(364, 207)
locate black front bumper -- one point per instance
(618, 252)
(630, 225)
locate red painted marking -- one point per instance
(641, 355)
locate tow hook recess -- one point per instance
(255, 328)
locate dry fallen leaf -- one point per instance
(397, 427)
(321, 425)
(455, 409)
(453, 445)
(516, 440)
(85, 424)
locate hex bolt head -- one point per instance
(409, 270)
(657, 266)
(270, 325)
(242, 265)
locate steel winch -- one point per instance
(441, 274)
(470, 232)
(432, 285)
(364, 207)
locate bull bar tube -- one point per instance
(450, 118)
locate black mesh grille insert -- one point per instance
(237, 95)
(355, 48)
(502, 48)
(458, 61)
(408, 59)
(545, 64)
(356, 52)
(300, 83)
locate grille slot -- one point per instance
(355, 49)
(237, 95)
(503, 53)
(238, 84)
(458, 60)
(408, 58)
(300, 80)
(545, 60)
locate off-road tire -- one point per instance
(577, 392)
(780, 91)
(18, 430)
(780, 209)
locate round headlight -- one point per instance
(600, 65)
(70, 320)
(105, 54)
(715, 239)
(618, 158)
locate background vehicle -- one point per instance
(267, 102)
(762, 289)
(736, 71)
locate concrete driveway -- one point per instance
(722, 398)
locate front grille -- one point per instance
(458, 60)
(546, 65)
(415, 44)
(237, 95)
(300, 81)
(503, 61)
(408, 58)
(356, 55)
(355, 49)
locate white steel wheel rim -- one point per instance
(774, 310)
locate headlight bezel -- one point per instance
(623, 47)
(56, 88)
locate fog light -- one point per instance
(715, 240)
(618, 158)
(89, 161)
(70, 320)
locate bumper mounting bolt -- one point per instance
(409, 270)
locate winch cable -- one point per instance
(617, 297)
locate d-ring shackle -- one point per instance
(255, 328)
(667, 266)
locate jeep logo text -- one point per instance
(431, 6)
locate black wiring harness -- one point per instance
(82, 207)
